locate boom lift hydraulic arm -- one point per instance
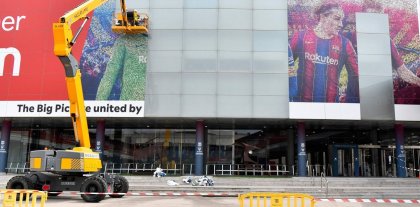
(63, 43)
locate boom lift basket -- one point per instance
(137, 23)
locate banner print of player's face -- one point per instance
(323, 49)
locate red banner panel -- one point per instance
(29, 70)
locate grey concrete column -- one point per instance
(117, 148)
(291, 151)
(199, 148)
(100, 137)
(399, 151)
(301, 150)
(206, 147)
(375, 153)
(4, 144)
(233, 147)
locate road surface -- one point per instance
(188, 201)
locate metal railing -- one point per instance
(17, 167)
(210, 169)
(253, 169)
(188, 169)
(135, 168)
(316, 170)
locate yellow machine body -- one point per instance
(78, 160)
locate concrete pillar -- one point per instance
(100, 138)
(375, 153)
(290, 151)
(334, 155)
(301, 150)
(117, 146)
(233, 148)
(4, 144)
(399, 151)
(356, 161)
(206, 147)
(199, 148)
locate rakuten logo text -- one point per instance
(316, 58)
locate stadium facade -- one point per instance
(308, 87)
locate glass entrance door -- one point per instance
(368, 156)
(345, 160)
(366, 162)
(370, 165)
(412, 160)
(388, 167)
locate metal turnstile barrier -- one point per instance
(260, 199)
(23, 198)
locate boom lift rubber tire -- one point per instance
(93, 184)
(120, 186)
(20, 182)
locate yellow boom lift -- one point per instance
(78, 169)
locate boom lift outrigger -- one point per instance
(77, 169)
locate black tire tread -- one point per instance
(25, 182)
(120, 186)
(100, 184)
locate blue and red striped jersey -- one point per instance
(320, 64)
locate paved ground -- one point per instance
(134, 200)
(186, 201)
